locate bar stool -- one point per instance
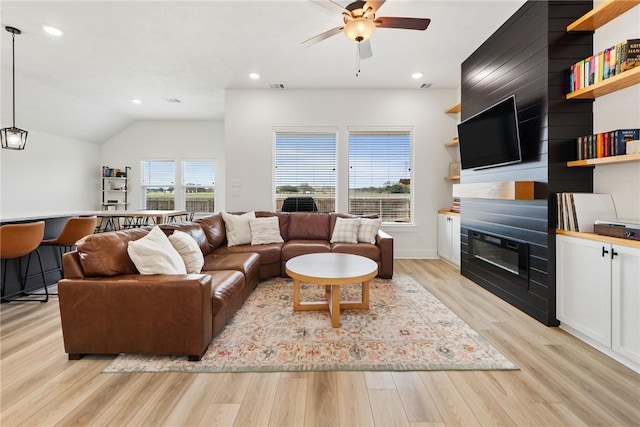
(74, 230)
(16, 241)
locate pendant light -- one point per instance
(13, 138)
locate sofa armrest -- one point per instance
(146, 314)
(385, 243)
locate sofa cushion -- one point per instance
(226, 285)
(237, 227)
(333, 216)
(247, 263)
(368, 250)
(293, 248)
(345, 230)
(368, 230)
(105, 254)
(265, 230)
(269, 253)
(189, 251)
(283, 220)
(308, 226)
(154, 254)
(213, 227)
(193, 229)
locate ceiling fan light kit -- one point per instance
(13, 138)
(359, 29)
(360, 22)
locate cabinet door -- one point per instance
(583, 287)
(625, 282)
(455, 240)
(444, 237)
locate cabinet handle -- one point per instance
(604, 251)
(613, 253)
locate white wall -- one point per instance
(251, 115)
(53, 174)
(164, 140)
(619, 110)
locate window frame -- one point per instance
(184, 186)
(144, 187)
(410, 131)
(319, 130)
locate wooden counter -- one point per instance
(600, 238)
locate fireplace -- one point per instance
(500, 256)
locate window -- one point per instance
(198, 179)
(158, 186)
(380, 174)
(305, 166)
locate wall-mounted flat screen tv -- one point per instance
(490, 138)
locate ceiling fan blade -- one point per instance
(374, 4)
(330, 5)
(364, 49)
(322, 36)
(404, 23)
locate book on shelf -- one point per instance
(605, 64)
(605, 144)
(456, 206)
(579, 211)
(630, 54)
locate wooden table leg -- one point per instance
(365, 294)
(335, 306)
(296, 294)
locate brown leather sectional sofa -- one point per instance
(107, 307)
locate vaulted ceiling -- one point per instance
(80, 85)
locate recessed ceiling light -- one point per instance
(254, 76)
(52, 30)
(136, 101)
(417, 75)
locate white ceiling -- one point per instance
(80, 85)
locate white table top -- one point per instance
(331, 266)
(36, 217)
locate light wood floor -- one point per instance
(561, 381)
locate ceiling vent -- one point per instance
(173, 100)
(426, 85)
(276, 86)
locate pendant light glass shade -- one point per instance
(13, 138)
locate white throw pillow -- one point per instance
(265, 230)
(368, 230)
(154, 254)
(189, 250)
(345, 230)
(237, 228)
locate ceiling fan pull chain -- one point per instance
(358, 59)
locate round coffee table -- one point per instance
(331, 270)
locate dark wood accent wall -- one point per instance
(529, 56)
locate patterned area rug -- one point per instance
(405, 329)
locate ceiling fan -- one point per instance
(360, 21)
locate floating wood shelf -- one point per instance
(602, 14)
(453, 143)
(455, 109)
(635, 157)
(452, 177)
(507, 190)
(612, 84)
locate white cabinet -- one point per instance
(598, 295)
(583, 288)
(625, 299)
(449, 237)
